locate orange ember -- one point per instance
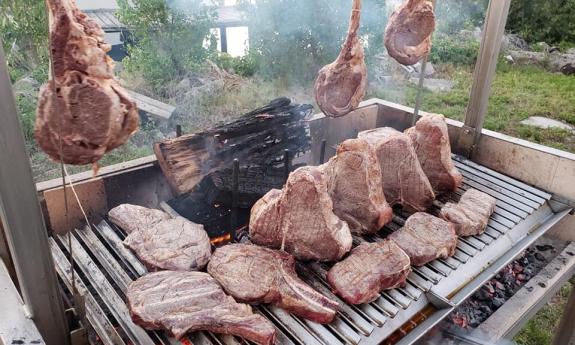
(221, 239)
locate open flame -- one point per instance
(222, 239)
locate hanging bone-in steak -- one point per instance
(174, 244)
(304, 221)
(408, 31)
(371, 268)
(425, 238)
(340, 86)
(431, 142)
(83, 110)
(253, 274)
(182, 302)
(355, 187)
(135, 218)
(471, 214)
(404, 182)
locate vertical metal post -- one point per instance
(24, 226)
(224, 39)
(287, 163)
(322, 151)
(493, 30)
(565, 334)
(178, 131)
(235, 197)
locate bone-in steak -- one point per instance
(83, 112)
(134, 218)
(425, 238)
(371, 268)
(304, 222)
(404, 182)
(182, 302)
(431, 142)
(174, 244)
(408, 31)
(254, 274)
(355, 187)
(471, 214)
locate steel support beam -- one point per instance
(493, 30)
(23, 223)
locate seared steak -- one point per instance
(425, 238)
(173, 244)
(404, 182)
(182, 302)
(253, 274)
(371, 268)
(408, 31)
(134, 218)
(471, 214)
(431, 142)
(83, 112)
(340, 86)
(355, 187)
(305, 224)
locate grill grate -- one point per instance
(106, 268)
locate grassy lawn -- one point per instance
(518, 92)
(540, 329)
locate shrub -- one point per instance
(245, 66)
(457, 51)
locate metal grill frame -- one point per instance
(522, 215)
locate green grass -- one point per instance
(540, 329)
(518, 92)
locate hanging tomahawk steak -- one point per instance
(254, 274)
(431, 142)
(83, 112)
(340, 86)
(355, 187)
(300, 219)
(408, 32)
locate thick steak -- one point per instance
(355, 187)
(471, 214)
(134, 218)
(305, 223)
(371, 268)
(254, 274)
(404, 182)
(408, 31)
(425, 238)
(431, 142)
(174, 244)
(182, 302)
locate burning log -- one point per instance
(257, 139)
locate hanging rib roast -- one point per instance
(340, 86)
(408, 32)
(83, 112)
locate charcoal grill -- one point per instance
(523, 213)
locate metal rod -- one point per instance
(322, 151)
(483, 75)
(24, 225)
(235, 196)
(565, 334)
(287, 163)
(178, 131)
(420, 85)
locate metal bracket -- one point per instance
(439, 302)
(559, 204)
(466, 141)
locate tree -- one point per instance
(168, 37)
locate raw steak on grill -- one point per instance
(182, 302)
(340, 86)
(471, 214)
(425, 238)
(408, 31)
(304, 223)
(355, 187)
(132, 218)
(253, 274)
(404, 182)
(369, 269)
(83, 112)
(431, 142)
(173, 244)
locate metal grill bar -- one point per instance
(108, 267)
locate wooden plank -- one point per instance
(151, 106)
(24, 225)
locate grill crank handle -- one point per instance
(439, 302)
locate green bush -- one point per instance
(245, 66)
(457, 51)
